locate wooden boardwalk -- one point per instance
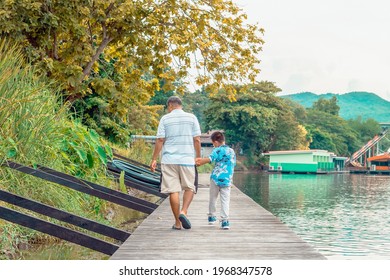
(254, 234)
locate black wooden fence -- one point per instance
(80, 185)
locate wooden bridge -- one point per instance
(254, 234)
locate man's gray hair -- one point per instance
(174, 100)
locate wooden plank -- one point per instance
(63, 216)
(254, 234)
(57, 231)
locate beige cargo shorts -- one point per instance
(175, 178)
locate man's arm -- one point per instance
(197, 146)
(157, 150)
(201, 161)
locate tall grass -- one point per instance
(29, 112)
(138, 150)
(35, 129)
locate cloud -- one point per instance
(295, 81)
(354, 85)
(333, 46)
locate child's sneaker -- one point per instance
(212, 220)
(225, 224)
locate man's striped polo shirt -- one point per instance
(178, 128)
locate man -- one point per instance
(178, 136)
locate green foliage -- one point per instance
(298, 110)
(366, 128)
(160, 96)
(29, 111)
(327, 105)
(140, 151)
(95, 112)
(289, 134)
(196, 103)
(83, 150)
(206, 168)
(321, 140)
(8, 148)
(257, 121)
(122, 185)
(112, 113)
(332, 133)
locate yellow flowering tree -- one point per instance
(106, 47)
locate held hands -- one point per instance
(201, 161)
(153, 165)
(198, 162)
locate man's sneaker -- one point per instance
(212, 220)
(225, 224)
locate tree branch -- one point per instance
(95, 57)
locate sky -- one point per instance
(335, 46)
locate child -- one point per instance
(221, 177)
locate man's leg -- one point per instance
(187, 181)
(170, 184)
(187, 198)
(174, 200)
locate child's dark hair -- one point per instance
(217, 136)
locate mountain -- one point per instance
(352, 104)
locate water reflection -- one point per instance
(344, 216)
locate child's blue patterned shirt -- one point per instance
(225, 160)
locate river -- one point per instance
(344, 216)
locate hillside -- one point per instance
(352, 105)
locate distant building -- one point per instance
(380, 162)
(206, 144)
(146, 138)
(305, 161)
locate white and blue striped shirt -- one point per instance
(179, 129)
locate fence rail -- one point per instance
(63, 216)
(58, 231)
